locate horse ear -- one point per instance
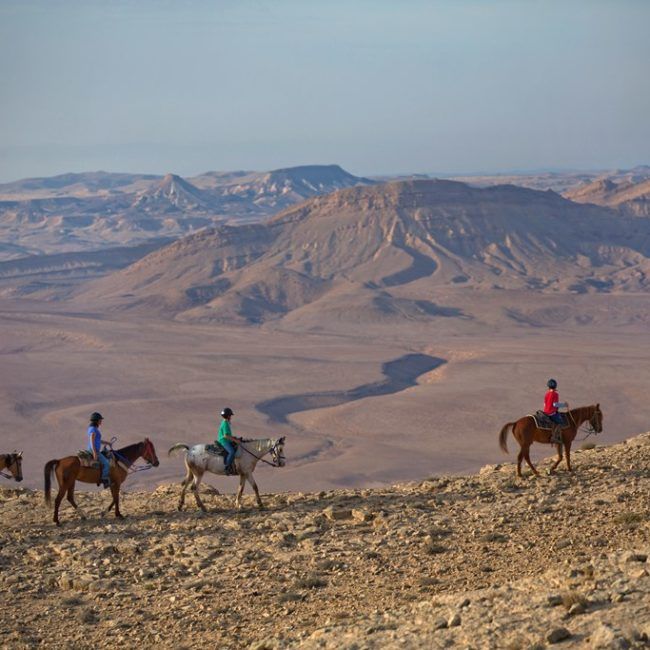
(20, 454)
(281, 441)
(598, 406)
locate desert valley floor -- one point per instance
(364, 407)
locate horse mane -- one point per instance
(257, 443)
(128, 448)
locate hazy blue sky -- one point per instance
(377, 86)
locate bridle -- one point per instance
(591, 428)
(276, 450)
(130, 466)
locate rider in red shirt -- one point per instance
(551, 405)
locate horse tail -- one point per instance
(176, 447)
(503, 435)
(49, 469)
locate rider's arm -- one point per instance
(94, 444)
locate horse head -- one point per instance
(14, 463)
(277, 452)
(149, 453)
(596, 419)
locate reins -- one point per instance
(270, 450)
(130, 464)
(589, 430)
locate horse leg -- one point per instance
(251, 480)
(558, 461)
(82, 514)
(242, 482)
(520, 458)
(526, 451)
(115, 490)
(197, 481)
(184, 483)
(62, 479)
(567, 449)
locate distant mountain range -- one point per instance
(81, 212)
(379, 252)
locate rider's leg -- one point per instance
(103, 461)
(556, 433)
(228, 446)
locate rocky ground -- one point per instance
(484, 561)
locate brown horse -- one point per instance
(68, 471)
(14, 463)
(526, 432)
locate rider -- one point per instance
(226, 439)
(95, 446)
(551, 405)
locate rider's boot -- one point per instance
(556, 436)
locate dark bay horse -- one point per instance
(526, 432)
(14, 463)
(69, 470)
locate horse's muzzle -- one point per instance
(19, 478)
(156, 463)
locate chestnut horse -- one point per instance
(14, 463)
(526, 432)
(68, 471)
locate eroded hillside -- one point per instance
(483, 561)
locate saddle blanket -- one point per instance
(217, 450)
(544, 422)
(86, 459)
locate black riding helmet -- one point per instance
(227, 412)
(96, 417)
(551, 383)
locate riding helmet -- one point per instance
(551, 383)
(96, 417)
(227, 412)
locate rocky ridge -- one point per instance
(387, 248)
(483, 561)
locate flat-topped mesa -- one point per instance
(428, 193)
(368, 239)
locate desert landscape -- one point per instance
(406, 319)
(379, 233)
(479, 561)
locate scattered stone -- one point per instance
(606, 637)
(359, 514)
(558, 634)
(577, 609)
(631, 556)
(337, 514)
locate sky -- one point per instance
(377, 86)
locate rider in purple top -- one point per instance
(95, 446)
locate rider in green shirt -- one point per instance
(226, 439)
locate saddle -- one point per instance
(217, 450)
(86, 459)
(545, 423)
